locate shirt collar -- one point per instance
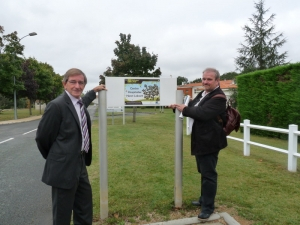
(73, 99)
(205, 93)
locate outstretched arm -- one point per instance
(91, 95)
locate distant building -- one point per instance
(193, 89)
(39, 105)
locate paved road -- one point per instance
(24, 199)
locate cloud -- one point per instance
(187, 36)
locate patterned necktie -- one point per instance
(85, 132)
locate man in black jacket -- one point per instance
(207, 137)
(64, 139)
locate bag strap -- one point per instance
(219, 117)
(222, 96)
(219, 95)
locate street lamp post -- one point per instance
(15, 93)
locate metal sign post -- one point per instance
(178, 153)
(103, 154)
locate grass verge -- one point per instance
(8, 114)
(141, 175)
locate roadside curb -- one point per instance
(20, 120)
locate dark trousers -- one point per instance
(206, 165)
(77, 199)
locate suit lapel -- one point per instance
(208, 96)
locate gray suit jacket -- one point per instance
(59, 140)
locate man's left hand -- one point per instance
(180, 107)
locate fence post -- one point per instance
(246, 138)
(292, 148)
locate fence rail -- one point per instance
(292, 151)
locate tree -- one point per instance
(198, 80)
(45, 79)
(5, 103)
(181, 80)
(50, 85)
(10, 63)
(1, 38)
(33, 79)
(30, 84)
(229, 76)
(57, 87)
(262, 43)
(131, 61)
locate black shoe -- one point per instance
(204, 215)
(196, 203)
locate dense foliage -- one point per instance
(181, 80)
(229, 76)
(198, 80)
(270, 97)
(31, 79)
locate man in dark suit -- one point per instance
(207, 137)
(64, 139)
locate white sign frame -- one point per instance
(116, 90)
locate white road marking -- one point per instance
(6, 140)
(29, 131)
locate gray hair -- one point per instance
(72, 72)
(216, 72)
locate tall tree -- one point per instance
(33, 79)
(1, 38)
(10, 63)
(30, 85)
(262, 43)
(56, 88)
(131, 61)
(44, 77)
(182, 80)
(198, 80)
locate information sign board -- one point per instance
(140, 91)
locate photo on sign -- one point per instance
(142, 92)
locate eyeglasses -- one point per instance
(74, 82)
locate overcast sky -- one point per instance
(187, 35)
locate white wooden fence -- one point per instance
(292, 132)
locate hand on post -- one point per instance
(180, 107)
(99, 88)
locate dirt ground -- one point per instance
(180, 214)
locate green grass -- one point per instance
(8, 114)
(141, 175)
